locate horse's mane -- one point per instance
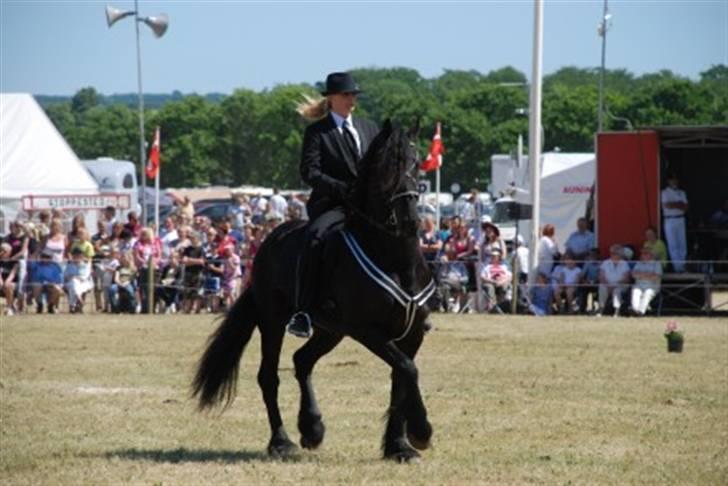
(383, 165)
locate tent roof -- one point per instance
(556, 162)
(34, 157)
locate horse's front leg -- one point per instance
(407, 413)
(309, 416)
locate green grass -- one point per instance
(97, 399)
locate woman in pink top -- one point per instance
(147, 253)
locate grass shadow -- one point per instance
(182, 454)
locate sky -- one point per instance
(58, 47)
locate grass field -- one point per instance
(98, 399)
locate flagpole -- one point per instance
(437, 200)
(156, 202)
(534, 139)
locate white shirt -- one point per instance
(339, 120)
(167, 240)
(547, 250)
(278, 204)
(670, 195)
(522, 255)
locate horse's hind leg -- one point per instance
(271, 341)
(309, 416)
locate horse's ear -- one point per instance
(387, 127)
(414, 130)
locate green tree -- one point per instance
(84, 100)
(107, 132)
(569, 118)
(190, 154)
(507, 74)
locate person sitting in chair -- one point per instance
(332, 147)
(496, 279)
(647, 274)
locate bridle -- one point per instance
(390, 227)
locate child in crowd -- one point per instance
(541, 296)
(78, 279)
(231, 275)
(109, 265)
(194, 263)
(170, 283)
(566, 278)
(8, 277)
(123, 288)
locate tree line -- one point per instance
(251, 137)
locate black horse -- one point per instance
(373, 287)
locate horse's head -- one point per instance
(386, 190)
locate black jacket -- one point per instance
(328, 165)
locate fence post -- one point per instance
(514, 283)
(150, 284)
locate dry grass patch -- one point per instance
(104, 400)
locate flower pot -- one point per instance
(674, 345)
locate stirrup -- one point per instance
(300, 325)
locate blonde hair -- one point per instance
(313, 108)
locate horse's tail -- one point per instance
(217, 372)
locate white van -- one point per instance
(116, 177)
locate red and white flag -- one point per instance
(434, 156)
(152, 168)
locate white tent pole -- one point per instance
(534, 137)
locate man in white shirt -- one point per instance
(674, 207)
(614, 277)
(278, 203)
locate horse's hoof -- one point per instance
(407, 456)
(312, 434)
(282, 449)
(418, 444)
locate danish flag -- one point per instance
(434, 156)
(152, 168)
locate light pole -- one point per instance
(159, 26)
(602, 29)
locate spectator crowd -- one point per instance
(192, 264)
(474, 269)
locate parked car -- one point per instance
(215, 211)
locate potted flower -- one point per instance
(675, 337)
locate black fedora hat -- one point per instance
(340, 83)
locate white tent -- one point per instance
(35, 159)
(566, 182)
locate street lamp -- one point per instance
(602, 29)
(159, 25)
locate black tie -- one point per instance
(350, 141)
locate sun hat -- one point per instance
(491, 226)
